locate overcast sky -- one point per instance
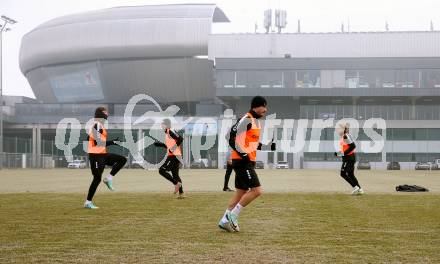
(315, 16)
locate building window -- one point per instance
(266, 79)
(225, 79)
(308, 79)
(400, 134)
(431, 78)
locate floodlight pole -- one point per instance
(3, 28)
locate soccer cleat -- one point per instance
(90, 206)
(360, 191)
(227, 190)
(232, 219)
(356, 190)
(225, 226)
(181, 196)
(109, 184)
(177, 187)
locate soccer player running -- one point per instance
(244, 141)
(98, 156)
(348, 154)
(173, 144)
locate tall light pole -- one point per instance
(3, 28)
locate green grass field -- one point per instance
(154, 227)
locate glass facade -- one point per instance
(56, 109)
(384, 78)
(412, 157)
(327, 156)
(75, 83)
(363, 112)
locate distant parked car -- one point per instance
(137, 164)
(393, 165)
(436, 164)
(364, 165)
(259, 165)
(197, 165)
(282, 165)
(77, 164)
(423, 166)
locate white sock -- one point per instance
(237, 209)
(109, 177)
(224, 219)
(87, 202)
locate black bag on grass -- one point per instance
(411, 188)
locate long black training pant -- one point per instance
(228, 173)
(97, 165)
(171, 164)
(347, 172)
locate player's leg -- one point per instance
(241, 189)
(251, 195)
(238, 195)
(344, 174)
(255, 191)
(248, 179)
(350, 173)
(224, 221)
(227, 177)
(97, 165)
(175, 166)
(117, 162)
(163, 170)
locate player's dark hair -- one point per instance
(258, 101)
(99, 112)
(167, 122)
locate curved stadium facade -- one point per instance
(77, 62)
(109, 55)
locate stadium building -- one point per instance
(77, 62)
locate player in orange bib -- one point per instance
(348, 153)
(173, 145)
(98, 156)
(244, 139)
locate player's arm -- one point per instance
(236, 136)
(97, 141)
(351, 144)
(159, 144)
(176, 137)
(178, 140)
(271, 146)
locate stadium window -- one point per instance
(371, 157)
(433, 133)
(367, 79)
(422, 157)
(280, 156)
(331, 157)
(351, 79)
(436, 112)
(399, 157)
(400, 134)
(308, 79)
(431, 78)
(421, 134)
(385, 79)
(225, 79)
(314, 156)
(406, 112)
(270, 157)
(362, 136)
(289, 79)
(241, 79)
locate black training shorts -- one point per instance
(245, 175)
